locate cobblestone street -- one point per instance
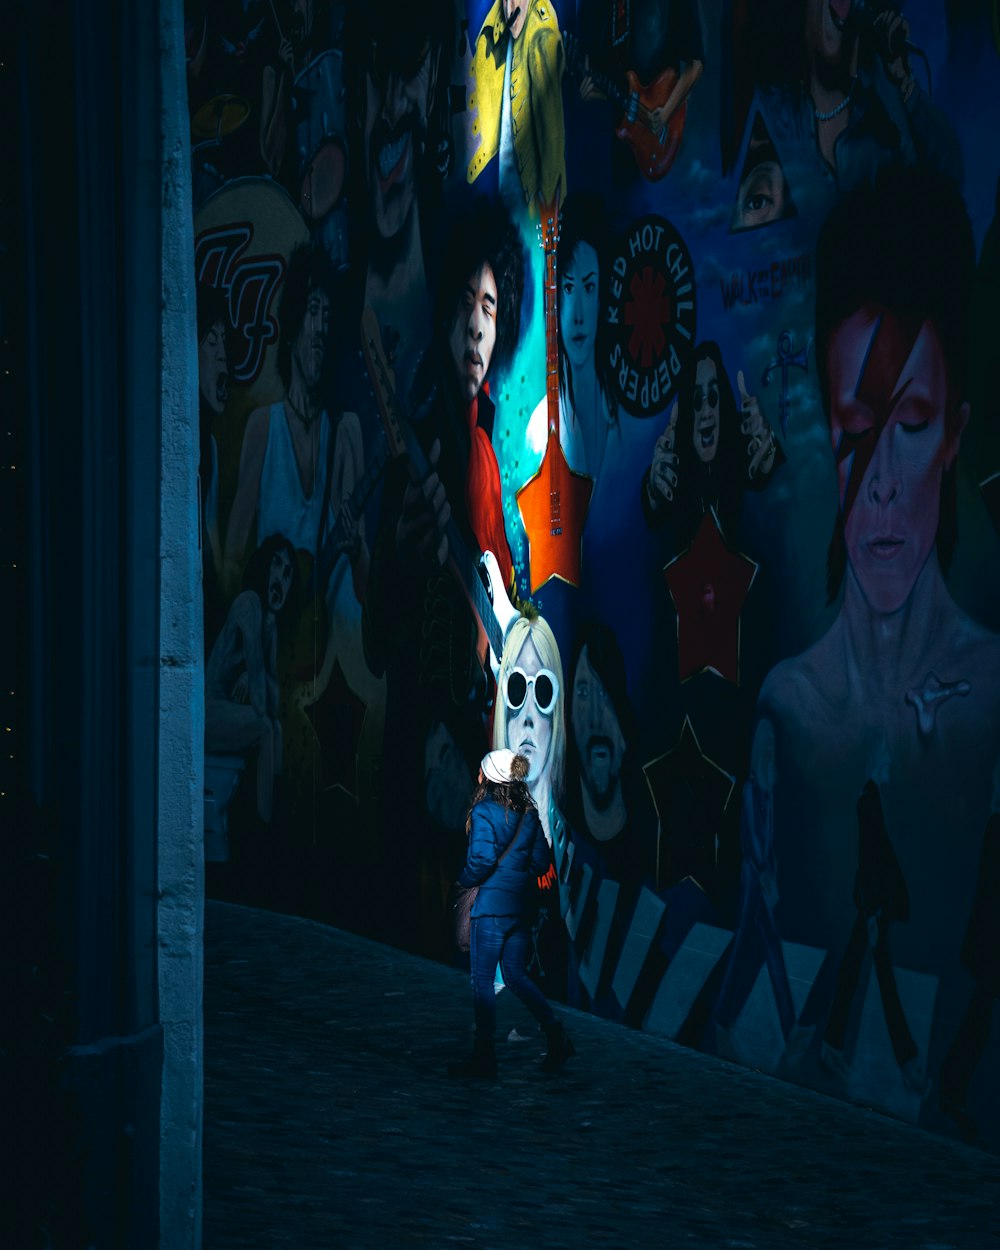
(329, 1121)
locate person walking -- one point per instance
(507, 851)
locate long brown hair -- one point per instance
(509, 794)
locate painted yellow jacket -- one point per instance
(536, 99)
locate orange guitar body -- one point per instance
(654, 152)
(553, 508)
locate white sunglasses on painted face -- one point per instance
(517, 683)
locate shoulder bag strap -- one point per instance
(517, 833)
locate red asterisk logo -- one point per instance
(647, 313)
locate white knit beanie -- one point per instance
(496, 765)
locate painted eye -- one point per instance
(757, 203)
(545, 693)
(855, 436)
(517, 690)
(916, 428)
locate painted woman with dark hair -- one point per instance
(241, 675)
(587, 405)
(710, 453)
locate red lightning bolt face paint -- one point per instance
(888, 404)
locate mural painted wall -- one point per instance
(686, 313)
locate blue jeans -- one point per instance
(503, 940)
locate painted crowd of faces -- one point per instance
(353, 129)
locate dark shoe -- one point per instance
(560, 1049)
(966, 1125)
(479, 1064)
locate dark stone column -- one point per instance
(88, 165)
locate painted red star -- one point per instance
(690, 793)
(648, 312)
(709, 584)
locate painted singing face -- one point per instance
(473, 333)
(399, 90)
(279, 579)
(895, 429)
(579, 301)
(707, 412)
(530, 696)
(597, 734)
(213, 370)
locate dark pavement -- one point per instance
(329, 1122)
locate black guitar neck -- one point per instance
(329, 552)
(576, 64)
(465, 565)
(401, 438)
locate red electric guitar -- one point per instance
(554, 502)
(654, 148)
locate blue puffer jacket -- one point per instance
(503, 889)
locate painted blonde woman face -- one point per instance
(529, 698)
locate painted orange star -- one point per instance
(553, 506)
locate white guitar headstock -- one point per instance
(549, 226)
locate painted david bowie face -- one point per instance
(597, 734)
(707, 419)
(529, 730)
(473, 333)
(399, 88)
(279, 580)
(579, 305)
(889, 400)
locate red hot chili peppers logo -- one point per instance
(651, 314)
